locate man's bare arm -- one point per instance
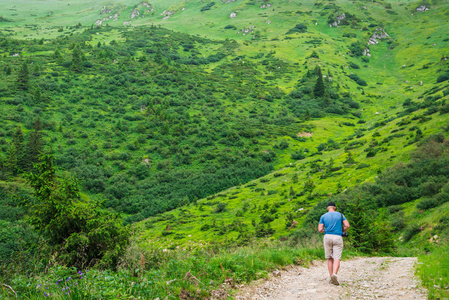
(321, 228)
(345, 225)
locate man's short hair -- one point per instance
(331, 204)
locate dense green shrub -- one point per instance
(358, 80)
(397, 221)
(357, 49)
(299, 28)
(208, 6)
(354, 66)
(298, 155)
(221, 207)
(427, 203)
(410, 232)
(443, 77)
(80, 231)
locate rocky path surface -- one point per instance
(360, 278)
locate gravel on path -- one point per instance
(360, 278)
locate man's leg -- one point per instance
(336, 266)
(337, 250)
(330, 266)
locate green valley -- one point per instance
(149, 140)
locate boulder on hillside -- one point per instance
(422, 8)
(379, 33)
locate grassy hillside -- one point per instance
(213, 126)
(274, 201)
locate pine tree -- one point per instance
(35, 145)
(57, 55)
(384, 241)
(307, 115)
(37, 95)
(11, 161)
(292, 191)
(17, 140)
(77, 59)
(319, 88)
(360, 231)
(79, 229)
(23, 77)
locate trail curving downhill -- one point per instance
(360, 278)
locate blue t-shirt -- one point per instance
(332, 222)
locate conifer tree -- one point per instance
(80, 229)
(319, 88)
(23, 77)
(11, 161)
(37, 95)
(17, 140)
(384, 241)
(77, 59)
(57, 55)
(360, 235)
(307, 115)
(35, 145)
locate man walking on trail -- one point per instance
(331, 224)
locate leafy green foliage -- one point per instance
(443, 77)
(19, 242)
(149, 119)
(145, 274)
(23, 77)
(358, 80)
(208, 6)
(299, 28)
(357, 49)
(83, 231)
(319, 88)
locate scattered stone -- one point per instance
(105, 10)
(366, 52)
(232, 15)
(379, 33)
(276, 273)
(338, 21)
(361, 278)
(135, 13)
(422, 8)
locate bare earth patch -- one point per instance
(304, 134)
(360, 278)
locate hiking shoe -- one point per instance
(334, 280)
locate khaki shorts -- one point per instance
(333, 246)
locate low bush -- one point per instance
(397, 221)
(443, 77)
(410, 232)
(358, 80)
(299, 28)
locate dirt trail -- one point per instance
(360, 278)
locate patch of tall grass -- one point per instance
(160, 273)
(433, 269)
